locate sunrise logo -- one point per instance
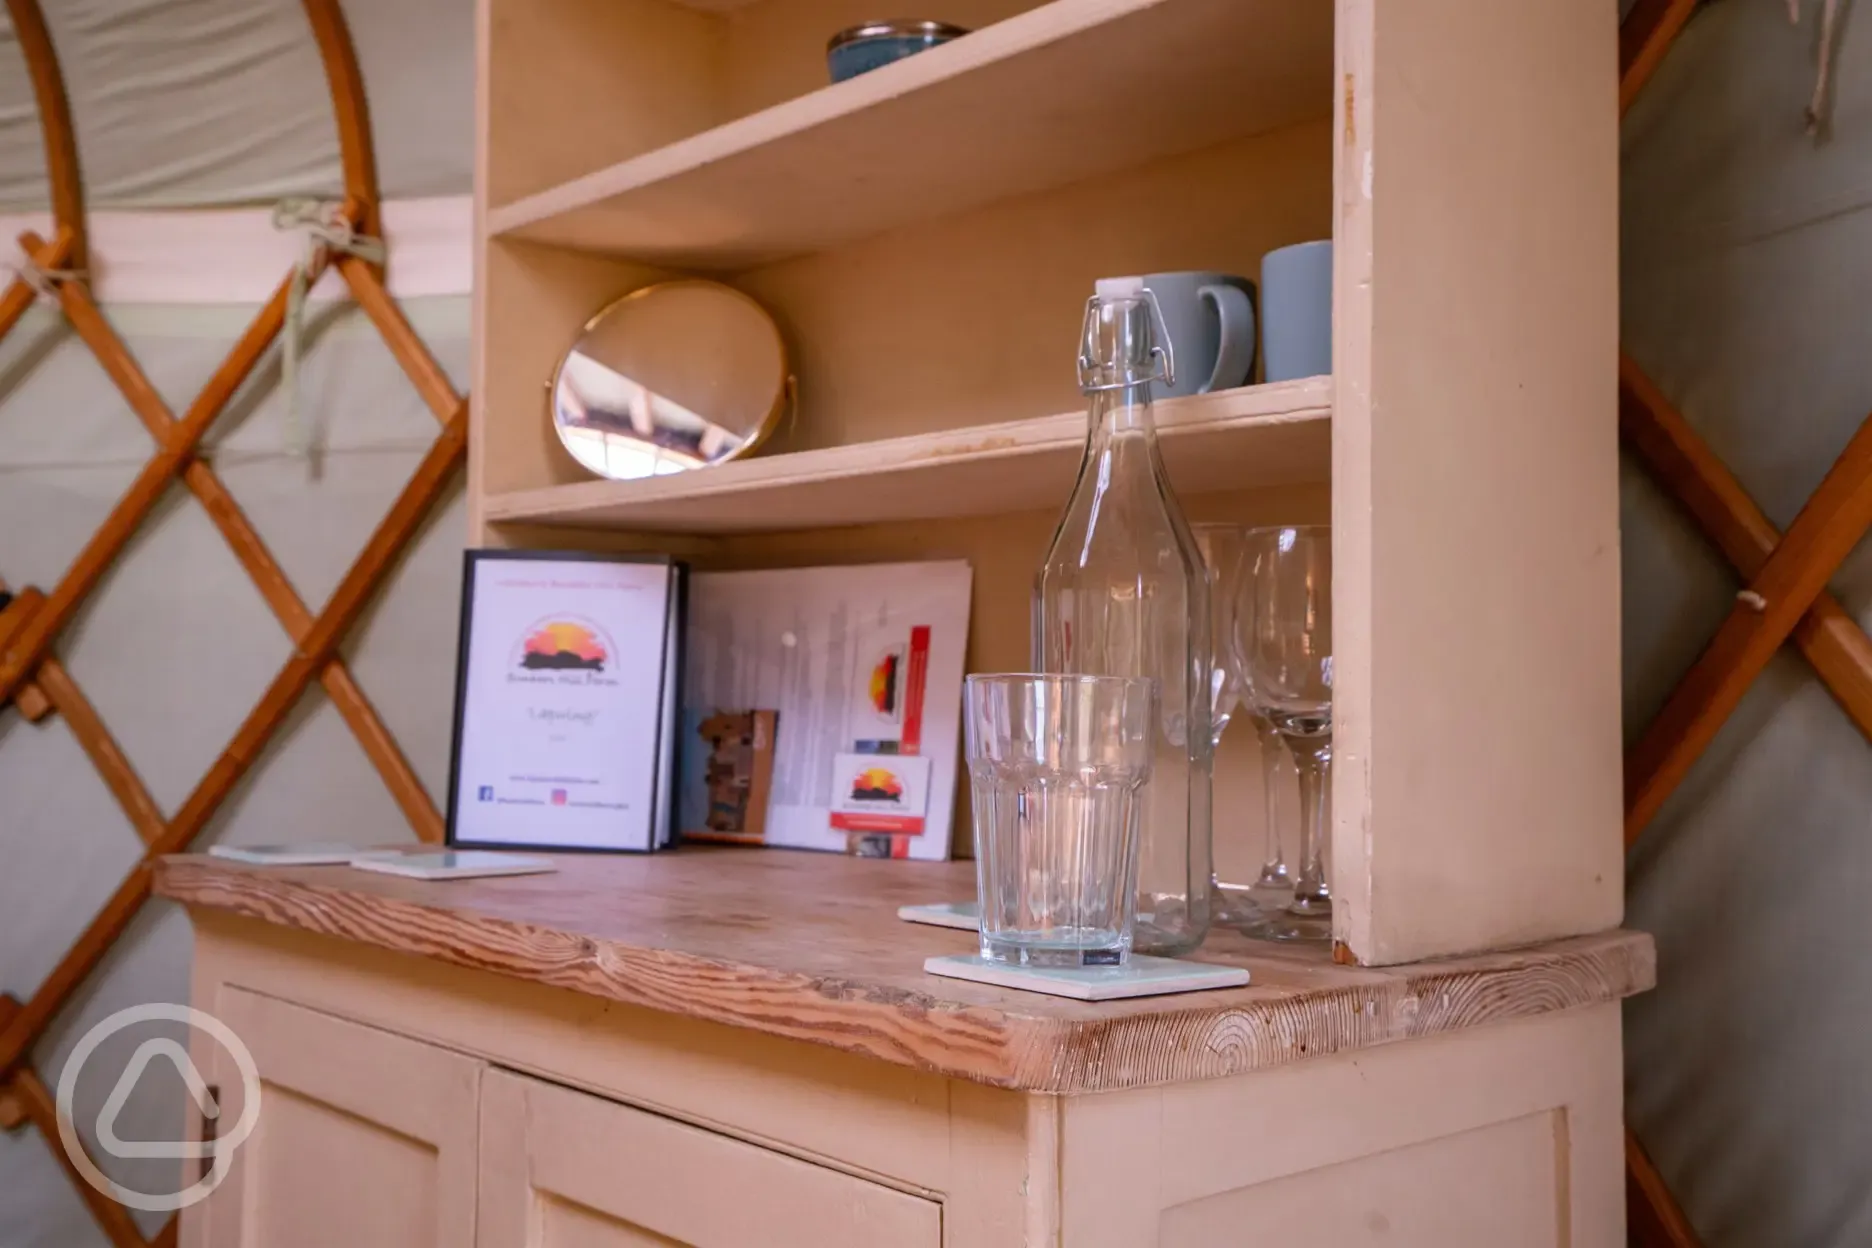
(884, 685)
(564, 645)
(877, 784)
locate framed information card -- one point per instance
(566, 701)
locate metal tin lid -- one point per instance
(894, 28)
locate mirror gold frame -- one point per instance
(662, 422)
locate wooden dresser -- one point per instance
(729, 1048)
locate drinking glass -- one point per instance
(1230, 556)
(1284, 635)
(1057, 766)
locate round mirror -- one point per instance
(675, 376)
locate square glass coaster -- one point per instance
(962, 915)
(1140, 977)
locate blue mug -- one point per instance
(1210, 318)
(1296, 311)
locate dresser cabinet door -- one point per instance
(364, 1138)
(560, 1169)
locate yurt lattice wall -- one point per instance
(344, 236)
(1784, 597)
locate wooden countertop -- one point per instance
(808, 946)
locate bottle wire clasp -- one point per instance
(1162, 352)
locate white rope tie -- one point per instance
(45, 282)
(326, 231)
(1816, 107)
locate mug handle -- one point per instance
(1235, 357)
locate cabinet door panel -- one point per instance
(1500, 1184)
(560, 1169)
(565, 1225)
(364, 1138)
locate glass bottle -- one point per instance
(1124, 592)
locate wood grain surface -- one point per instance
(808, 946)
(990, 117)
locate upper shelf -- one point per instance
(1233, 439)
(1059, 93)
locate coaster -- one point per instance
(310, 854)
(1141, 977)
(453, 864)
(964, 915)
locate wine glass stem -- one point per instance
(1313, 757)
(1275, 864)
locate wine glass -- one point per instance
(1283, 626)
(1226, 551)
(1276, 882)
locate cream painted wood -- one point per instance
(1054, 95)
(776, 1093)
(1503, 1135)
(560, 1168)
(1003, 1164)
(639, 1127)
(579, 84)
(924, 330)
(964, 1144)
(1477, 785)
(532, 301)
(1507, 1196)
(1256, 435)
(974, 318)
(364, 1138)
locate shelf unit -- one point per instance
(926, 236)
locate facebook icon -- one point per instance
(485, 793)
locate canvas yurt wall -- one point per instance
(193, 117)
(1747, 268)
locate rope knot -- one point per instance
(326, 228)
(327, 231)
(45, 282)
